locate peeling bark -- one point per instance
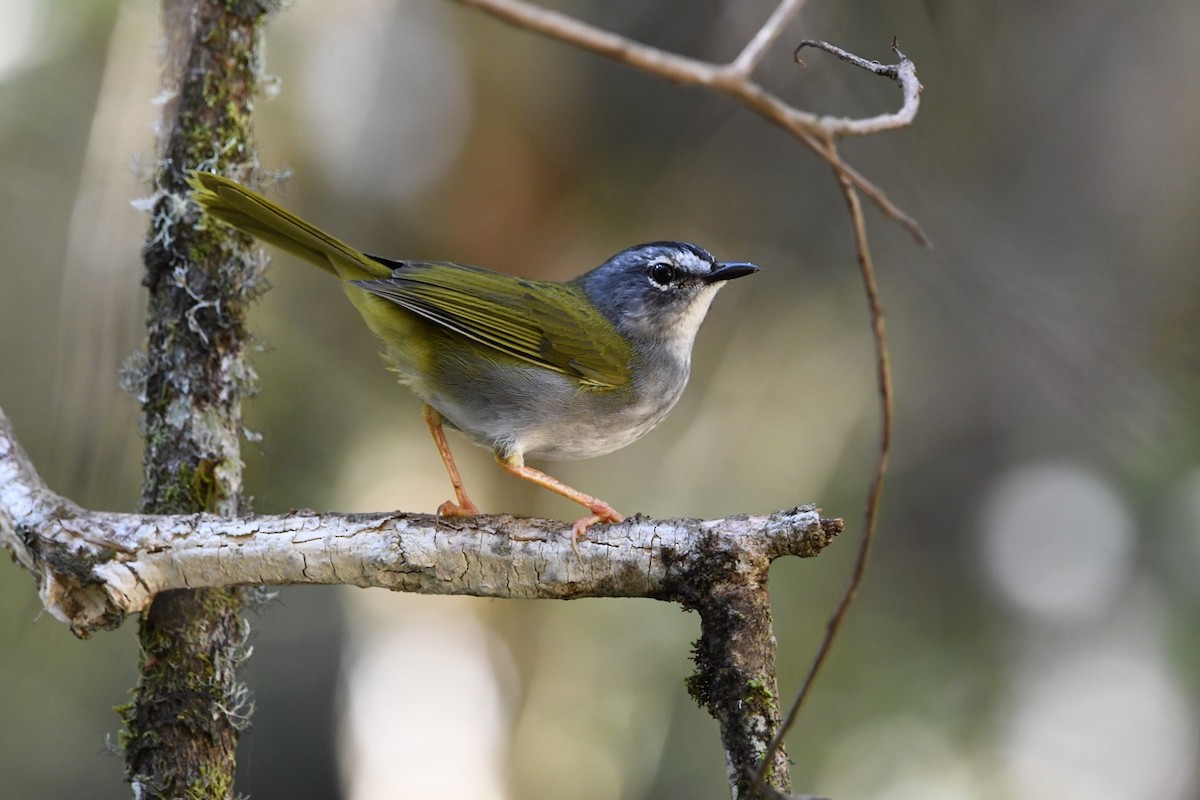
(96, 567)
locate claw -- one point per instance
(453, 509)
(601, 512)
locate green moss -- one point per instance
(211, 782)
(192, 488)
(177, 496)
(128, 740)
(757, 688)
(201, 248)
(207, 489)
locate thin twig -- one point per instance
(557, 25)
(886, 70)
(874, 493)
(872, 192)
(752, 55)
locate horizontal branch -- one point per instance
(94, 568)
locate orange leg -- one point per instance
(464, 507)
(601, 511)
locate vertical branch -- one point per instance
(735, 659)
(183, 723)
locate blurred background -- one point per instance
(1029, 625)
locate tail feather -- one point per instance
(237, 206)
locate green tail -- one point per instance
(237, 206)
(251, 213)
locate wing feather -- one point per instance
(540, 322)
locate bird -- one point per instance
(526, 368)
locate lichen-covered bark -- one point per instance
(734, 679)
(181, 728)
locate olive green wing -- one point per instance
(544, 323)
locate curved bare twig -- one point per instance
(732, 79)
(874, 492)
(904, 73)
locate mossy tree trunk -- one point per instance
(182, 726)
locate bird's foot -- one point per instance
(601, 512)
(462, 509)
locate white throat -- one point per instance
(683, 333)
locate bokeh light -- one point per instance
(425, 708)
(899, 758)
(19, 33)
(395, 88)
(1105, 720)
(1057, 541)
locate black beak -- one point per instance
(730, 270)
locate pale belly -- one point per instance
(542, 414)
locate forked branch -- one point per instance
(734, 79)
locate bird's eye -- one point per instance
(663, 274)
